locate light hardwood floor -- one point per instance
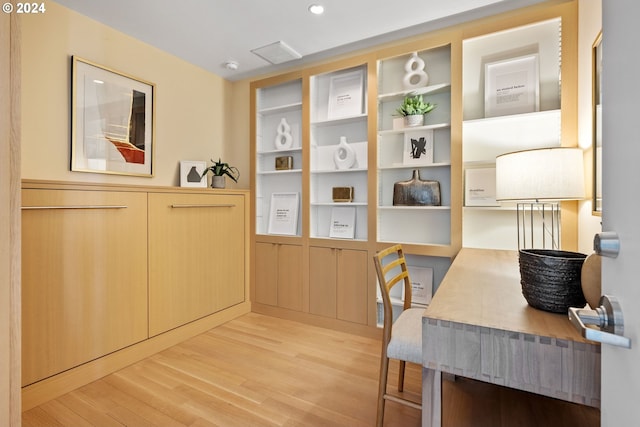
(263, 371)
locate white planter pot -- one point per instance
(218, 182)
(414, 120)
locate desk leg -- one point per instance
(431, 398)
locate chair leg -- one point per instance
(401, 376)
(382, 388)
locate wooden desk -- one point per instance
(479, 326)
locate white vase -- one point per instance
(284, 139)
(415, 75)
(344, 157)
(414, 120)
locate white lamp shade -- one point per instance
(541, 174)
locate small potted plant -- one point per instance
(220, 170)
(413, 109)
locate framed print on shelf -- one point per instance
(113, 121)
(345, 95)
(283, 213)
(343, 223)
(418, 147)
(421, 284)
(480, 187)
(191, 173)
(512, 86)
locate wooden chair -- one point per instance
(402, 339)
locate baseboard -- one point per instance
(57, 385)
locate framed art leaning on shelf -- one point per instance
(512, 86)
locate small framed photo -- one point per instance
(421, 284)
(418, 147)
(480, 187)
(191, 173)
(112, 117)
(512, 86)
(283, 213)
(346, 94)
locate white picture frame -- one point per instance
(283, 214)
(346, 95)
(343, 223)
(480, 187)
(421, 284)
(418, 147)
(188, 169)
(512, 86)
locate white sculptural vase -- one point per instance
(344, 157)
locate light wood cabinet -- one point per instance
(338, 284)
(278, 275)
(112, 274)
(84, 277)
(196, 256)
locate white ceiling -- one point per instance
(208, 33)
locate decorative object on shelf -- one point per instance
(538, 180)
(192, 173)
(416, 192)
(551, 279)
(283, 213)
(113, 121)
(415, 76)
(284, 163)
(342, 194)
(512, 86)
(591, 279)
(284, 139)
(344, 157)
(343, 223)
(219, 171)
(413, 109)
(418, 147)
(346, 94)
(480, 187)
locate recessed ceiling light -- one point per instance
(316, 9)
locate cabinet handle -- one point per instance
(33, 208)
(205, 206)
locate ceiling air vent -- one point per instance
(277, 53)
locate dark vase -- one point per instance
(416, 192)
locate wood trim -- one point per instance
(10, 115)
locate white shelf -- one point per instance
(340, 121)
(414, 208)
(280, 172)
(281, 108)
(340, 204)
(403, 166)
(353, 170)
(274, 151)
(414, 128)
(427, 90)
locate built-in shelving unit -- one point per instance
(485, 138)
(275, 103)
(327, 129)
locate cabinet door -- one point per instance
(322, 281)
(338, 284)
(266, 273)
(84, 277)
(196, 257)
(352, 285)
(290, 277)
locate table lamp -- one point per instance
(538, 180)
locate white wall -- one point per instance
(192, 118)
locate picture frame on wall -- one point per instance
(418, 147)
(283, 213)
(113, 121)
(346, 95)
(512, 86)
(191, 173)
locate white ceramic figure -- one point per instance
(415, 76)
(284, 139)
(344, 157)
